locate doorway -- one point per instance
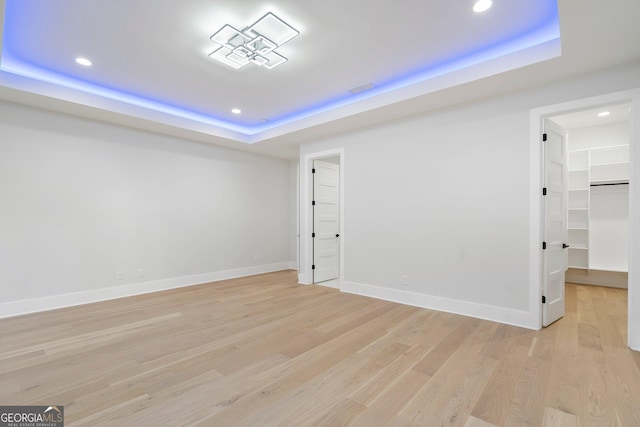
(598, 144)
(632, 98)
(322, 218)
(325, 208)
(585, 203)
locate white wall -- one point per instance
(293, 213)
(428, 198)
(599, 136)
(444, 199)
(609, 228)
(82, 200)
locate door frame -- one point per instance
(537, 116)
(305, 274)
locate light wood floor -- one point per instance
(264, 351)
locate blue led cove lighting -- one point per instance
(11, 62)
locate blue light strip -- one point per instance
(10, 63)
(547, 33)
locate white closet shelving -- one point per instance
(587, 168)
(578, 205)
(609, 165)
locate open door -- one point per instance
(555, 222)
(326, 221)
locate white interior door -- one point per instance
(555, 222)
(326, 224)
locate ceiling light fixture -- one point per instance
(236, 111)
(604, 114)
(482, 5)
(83, 61)
(254, 44)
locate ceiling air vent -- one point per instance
(361, 88)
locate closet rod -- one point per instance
(617, 183)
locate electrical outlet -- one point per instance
(141, 272)
(120, 275)
(405, 280)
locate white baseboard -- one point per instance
(486, 312)
(611, 279)
(335, 284)
(16, 308)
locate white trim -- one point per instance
(633, 327)
(606, 278)
(305, 275)
(535, 221)
(335, 284)
(465, 308)
(16, 308)
(297, 267)
(535, 201)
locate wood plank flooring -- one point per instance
(264, 351)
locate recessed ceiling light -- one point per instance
(236, 111)
(83, 61)
(482, 5)
(604, 114)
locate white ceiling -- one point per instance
(151, 69)
(591, 117)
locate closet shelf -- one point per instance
(605, 268)
(620, 163)
(587, 169)
(621, 181)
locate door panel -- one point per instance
(555, 223)
(326, 221)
